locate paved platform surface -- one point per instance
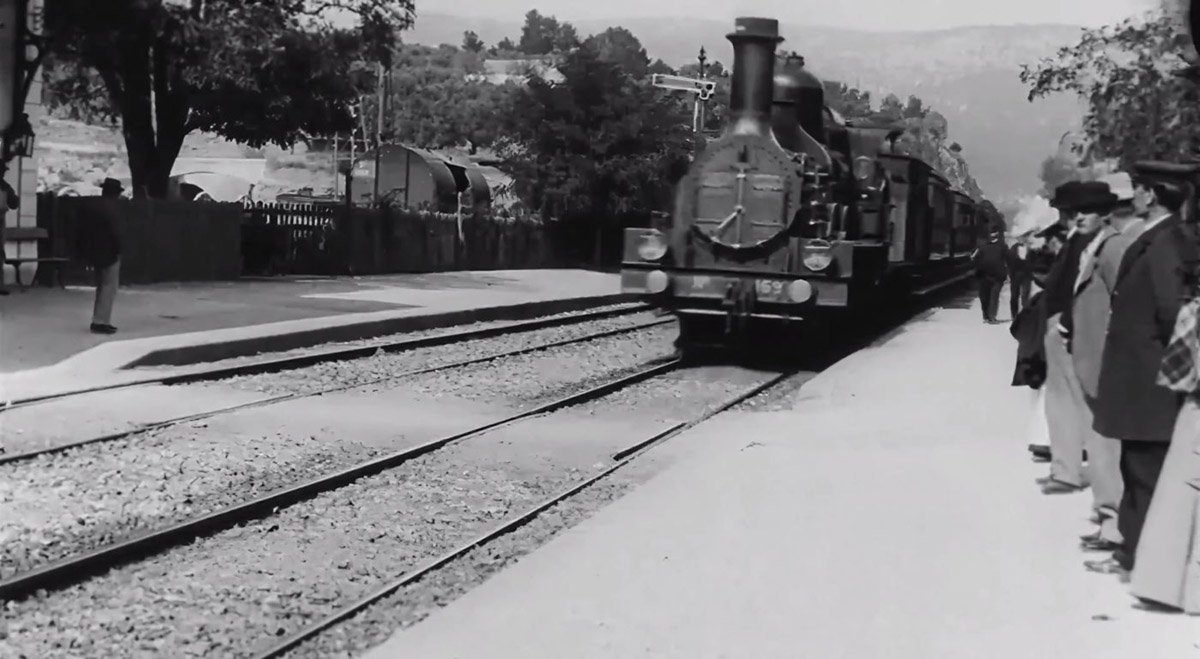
(892, 513)
(44, 332)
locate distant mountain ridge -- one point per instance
(969, 74)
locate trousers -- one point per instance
(1103, 472)
(107, 281)
(1141, 463)
(1067, 413)
(1168, 569)
(989, 296)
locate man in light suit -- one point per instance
(1085, 329)
(1066, 410)
(1130, 405)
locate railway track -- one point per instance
(618, 460)
(208, 373)
(358, 352)
(65, 572)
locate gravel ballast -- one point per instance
(59, 505)
(230, 594)
(384, 364)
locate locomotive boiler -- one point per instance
(795, 218)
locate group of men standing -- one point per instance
(1112, 345)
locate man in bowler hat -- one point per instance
(990, 271)
(101, 247)
(1081, 203)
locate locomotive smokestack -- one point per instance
(754, 41)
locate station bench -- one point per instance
(55, 263)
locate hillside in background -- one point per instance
(967, 74)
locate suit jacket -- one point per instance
(1090, 309)
(98, 239)
(1019, 269)
(989, 261)
(1146, 299)
(1060, 283)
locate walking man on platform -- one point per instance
(1066, 409)
(1130, 405)
(1086, 329)
(1020, 274)
(990, 272)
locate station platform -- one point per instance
(890, 513)
(44, 335)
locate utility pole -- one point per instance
(698, 120)
(378, 123)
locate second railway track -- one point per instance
(59, 445)
(491, 508)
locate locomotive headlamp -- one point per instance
(864, 168)
(653, 246)
(818, 255)
(657, 282)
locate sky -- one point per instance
(886, 15)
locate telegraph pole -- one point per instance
(698, 120)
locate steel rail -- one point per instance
(271, 400)
(277, 364)
(620, 459)
(73, 569)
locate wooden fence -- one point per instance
(160, 240)
(182, 241)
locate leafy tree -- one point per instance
(596, 146)
(846, 100)
(472, 43)
(542, 35)
(1137, 107)
(915, 109)
(891, 110)
(438, 99)
(659, 66)
(618, 46)
(254, 71)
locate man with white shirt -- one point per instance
(1130, 405)
(1020, 274)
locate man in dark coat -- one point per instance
(1130, 406)
(1020, 274)
(100, 247)
(990, 272)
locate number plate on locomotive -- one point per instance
(771, 289)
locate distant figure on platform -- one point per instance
(1029, 329)
(1020, 274)
(990, 272)
(1130, 405)
(11, 201)
(100, 246)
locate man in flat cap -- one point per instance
(1130, 406)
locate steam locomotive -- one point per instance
(794, 217)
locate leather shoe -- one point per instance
(101, 328)
(1099, 544)
(1106, 566)
(1059, 487)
